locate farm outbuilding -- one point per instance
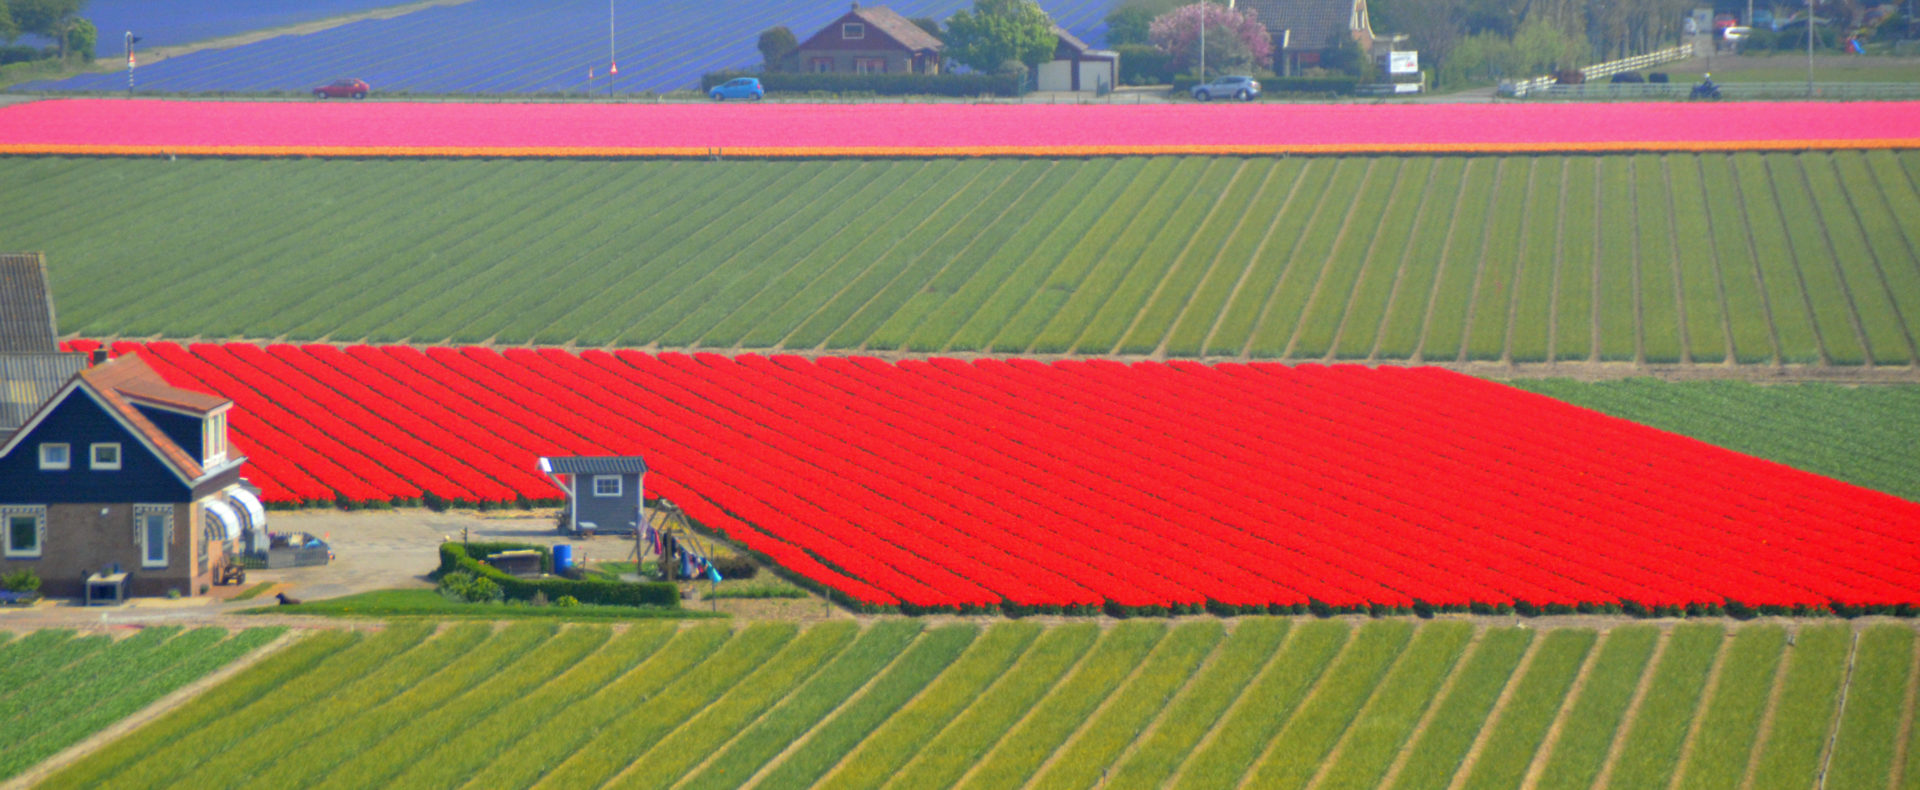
(1077, 66)
(604, 493)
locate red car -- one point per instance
(340, 89)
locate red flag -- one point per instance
(613, 69)
(589, 72)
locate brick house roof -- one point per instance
(128, 378)
(901, 30)
(26, 305)
(1313, 22)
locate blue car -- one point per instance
(743, 88)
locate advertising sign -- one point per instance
(1403, 63)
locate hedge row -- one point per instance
(877, 84)
(1336, 86)
(467, 557)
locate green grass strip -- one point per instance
(26, 708)
(337, 674)
(1536, 701)
(256, 682)
(1651, 752)
(670, 759)
(37, 658)
(948, 756)
(108, 699)
(1816, 663)
(445, 749)
(1093, 751)
(1724, 745)
(527, 759)
(833, 739)
(1052, 721)
(1374, 739)
(1265, 707)
(880, 756)
(1579, 233)
(376, 684)
(1438, 750)
(389, 604)
(1858, 434)
(1296, 754)
(869, 655)
(1863, 754)
(620, 742)
(1587, 737)
(311, 760)
(1201, 704)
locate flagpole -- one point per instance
(613, 58)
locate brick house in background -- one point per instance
(1304, 31)
(107, 465)
(870, 41)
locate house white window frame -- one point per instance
(141, 536)
(617, 485)
(869, 65)
(213, 439)
(820, 65)
(36, 512)
(853, 31)
(66, 450)
(93, 456)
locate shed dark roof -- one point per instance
(26, 305)
(899, 28)
(1313, 22)
(598, 465)
(28, 380)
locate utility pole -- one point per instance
(130, 40)
(613, 57)
(1809, 48)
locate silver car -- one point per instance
(1242, 88)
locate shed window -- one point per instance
(606, 485)
(153, 527)
(56, 456)
(106, 455)
(853, 30)
(26, 527)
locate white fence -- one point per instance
(1598, 70)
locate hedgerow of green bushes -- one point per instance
(960, 85)
(466, 557)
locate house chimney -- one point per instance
(97, 356)
(856, 5)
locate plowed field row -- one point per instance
(1010, 483)
(1794, 258)
(1270, 703)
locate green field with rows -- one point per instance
(1757, 258)
(57, 688)
(903, 703)
(1864, 435)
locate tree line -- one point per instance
(58, 21)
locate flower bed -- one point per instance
(1076, 486)
(110, 127)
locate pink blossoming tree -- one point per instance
(1236, 40)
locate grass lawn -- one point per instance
(429, 603)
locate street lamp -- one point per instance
(129, 41)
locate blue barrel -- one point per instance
(562, 557)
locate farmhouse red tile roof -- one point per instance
(898, 27)
(128, 376)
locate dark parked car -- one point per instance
(1628, 76)
(341, 89)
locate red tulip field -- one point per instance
(950, 484)
(105, 126)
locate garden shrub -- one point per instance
(21, 581)
(960, 85)
(466, 557)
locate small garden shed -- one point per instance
(604, 494)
